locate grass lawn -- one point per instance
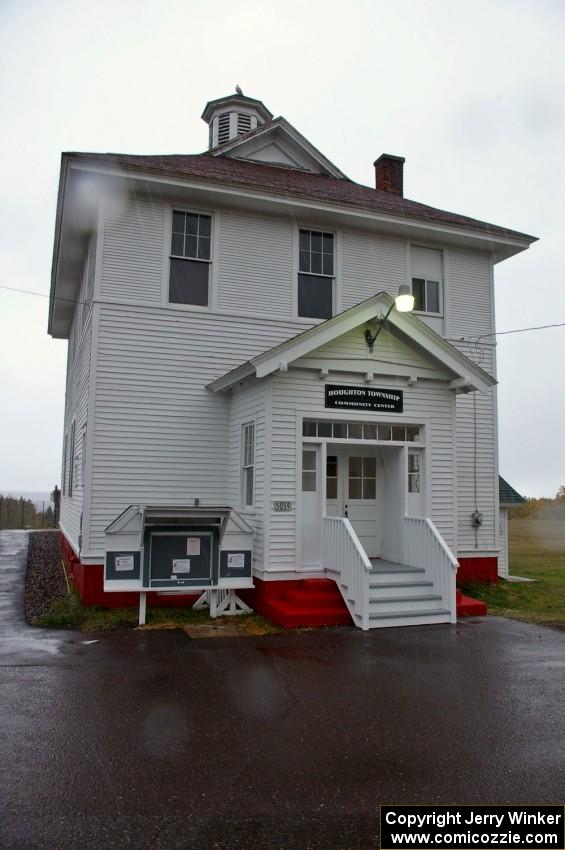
(69, 611)
(536, 550)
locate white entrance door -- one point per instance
(361, 503)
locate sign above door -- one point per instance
(363, 398)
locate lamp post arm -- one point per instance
(371, 338)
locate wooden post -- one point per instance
(142, 607)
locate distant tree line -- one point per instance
(22, 513)
(541, 508)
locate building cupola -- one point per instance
(233, 116)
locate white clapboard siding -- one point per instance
(161, 436)
(388, 348)
(468, 294)
(248, 405)
(255, 264)
(479, 449)
(369, 264)
(302, 392)
(132, 259)
(76, 409)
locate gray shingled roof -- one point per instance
(507, 495)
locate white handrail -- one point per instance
(423, 546)
(344, 554)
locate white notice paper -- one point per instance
(236, 561)
(193, 546)
(181, 566)
(123, 563)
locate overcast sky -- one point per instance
(472, 94)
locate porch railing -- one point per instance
(423, 546)
(344, 554)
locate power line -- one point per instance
(458, 339)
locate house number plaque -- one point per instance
(282, 507)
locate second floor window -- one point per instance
(316, 274)
(427, 280)
(190, 258)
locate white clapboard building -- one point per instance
(248, 405)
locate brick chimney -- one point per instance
(389, 173)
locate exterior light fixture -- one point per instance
(404, 303)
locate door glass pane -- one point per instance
(369, 467)
(414, 482)
(309, 461)
(369, 488)
(331, 488)
(354, 488)
(309, 482)
(331, 466)
(355, 467)
(413, 462)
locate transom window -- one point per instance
(190, 258)
(362, 477)
(248, 462)
(361, 431)
(316, 274)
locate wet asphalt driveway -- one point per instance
(153, 740)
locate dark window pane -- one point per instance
(331, 466)
(418, 287)
(192, 223)
(328, 244)
(355, 431)
(398, 432)
(316, 241)
(369, 488)
(309, 461)
(331, 488)
(304, 261)
(315, 297)
(354, 488)
(205, 226)
(178, 222)
(340, 430)
(384, 432)
(412, 433)
(324, 429)
(316, 263)
(369, 432)
(190, 244)
(355, 467)
(369, 467)
(328, 264)
(203, 248)
(177, 244)
(309, 429)
(432, 304)
(188, 282)
(304, 240)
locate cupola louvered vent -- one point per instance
(243, 123)
(224, 128)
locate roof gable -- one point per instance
(279, 143)
(467, 375)
(507, 495)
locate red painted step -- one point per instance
(467, 607)
(310, 602)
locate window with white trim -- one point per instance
(414, 480)
(427, 280)
(247, 463)
(190, 258)
(315, 274)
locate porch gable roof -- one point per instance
(469, 375)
